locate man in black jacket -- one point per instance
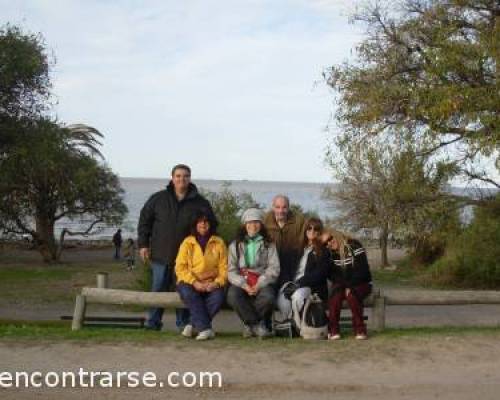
(163, 224)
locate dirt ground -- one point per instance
(454, 368)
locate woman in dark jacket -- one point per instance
(310, 275)
(352, 281)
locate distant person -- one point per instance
(117, 243)
(253, 268)
(352, 281)
(311, 274)
(163, 224)
(129, 254)
(286, 229)
(201, 270)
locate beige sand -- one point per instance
(456, 367)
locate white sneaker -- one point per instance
(334, 337)
(361, 336)
(206, 334)
(187, 331)
(248, 331)
(261, 331)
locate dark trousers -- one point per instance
(355, 301)
(252, 309)
(161, 282)
(202, 305)
(117, 252)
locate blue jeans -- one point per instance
(161, 281)
(202, 305)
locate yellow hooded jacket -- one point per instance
(192, 264)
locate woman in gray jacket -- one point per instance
(253, 268)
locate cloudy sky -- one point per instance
(232, 88)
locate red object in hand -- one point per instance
(250, 276)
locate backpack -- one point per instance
(314, 319)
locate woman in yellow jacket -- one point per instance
(201, 270)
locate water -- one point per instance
(138, 190)
(307, 195)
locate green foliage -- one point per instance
(228, 207)
(24, 82)
(24, 72)
(473, 258)
(53, 174)
(427, 71)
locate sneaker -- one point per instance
(361, 336)
(187, 331)
(206, 334)
(248, 331)
(334, 336)
(261, 330)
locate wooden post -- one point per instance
(79, 314)
(102, 280)
(378, 312)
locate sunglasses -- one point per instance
(314, 228)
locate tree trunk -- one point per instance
(384, 240)
(45, 240)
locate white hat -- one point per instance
(252, 214)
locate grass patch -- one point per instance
(61, 331)
(405, 275)
(28, 283)
(21, 275)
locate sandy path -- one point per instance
(459, 367)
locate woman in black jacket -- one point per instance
(352, 281)
(310, 275)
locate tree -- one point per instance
(391, 190)
(24, 81)
(55, 172)
(427, 71)
(228, 207)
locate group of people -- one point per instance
(275, 263)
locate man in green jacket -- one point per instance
(286, 228)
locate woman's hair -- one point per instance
(203, 215)
(342, 240)
(242, 234)
(318, 225)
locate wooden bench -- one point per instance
(170, 300)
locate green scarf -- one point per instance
(252, 244)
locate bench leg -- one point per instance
(79, 314)
(378, 313)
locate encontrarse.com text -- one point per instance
(105, 379)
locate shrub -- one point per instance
(473, 258)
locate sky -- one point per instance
(232, 88)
